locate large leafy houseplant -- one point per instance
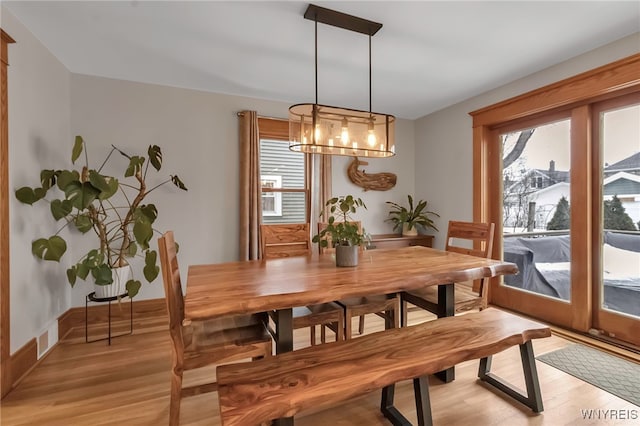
(341, 230)
(110, 209)
(411, 217)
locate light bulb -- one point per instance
(317, 134)
(344, 135)
(330, 141)
(371, 138)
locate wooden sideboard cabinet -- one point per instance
(398, 241)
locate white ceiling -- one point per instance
(427, 56)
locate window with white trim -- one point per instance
(271, 201)
(285, 185)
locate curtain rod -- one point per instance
(241, 114)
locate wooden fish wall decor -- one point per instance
(375, 181)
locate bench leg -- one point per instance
(388, 410)
(533, 397)
(423, 405)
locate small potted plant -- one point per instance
(409, 219)
(341, 231)
(111, 210)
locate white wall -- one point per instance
(198, 134)
(401, 164)
(39, 137)
(444, 139)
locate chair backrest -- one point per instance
(473, 232)
(285, 240)
(172, 289)
(330, 248)
(470, 231)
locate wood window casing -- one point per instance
(5, 329)
(571, 97)
(278, 129)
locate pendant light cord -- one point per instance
(316, 47)
(370, 73)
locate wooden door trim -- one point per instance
(5, 329)
(605, 82)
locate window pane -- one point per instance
(536, 206)
(620, 280)
(282, 168)
(293, 207)
(277, 160)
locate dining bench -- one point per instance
(321, 376)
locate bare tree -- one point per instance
(518, 147)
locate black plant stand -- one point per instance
(92, 297)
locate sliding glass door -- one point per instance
(536, 219)
(616, 301)
(570, 218)
(570, 223)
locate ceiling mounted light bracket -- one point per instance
(324, 129)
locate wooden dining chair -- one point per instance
(386, 307)
(286, 240)
(202, 343)
(467, 295)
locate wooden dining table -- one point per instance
(218, 290)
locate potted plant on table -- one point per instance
(341, 231)
(409, 219)
(110, 209)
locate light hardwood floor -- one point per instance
(128, 384)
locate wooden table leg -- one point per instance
(446, 305)
(284, 343)
(284, 330)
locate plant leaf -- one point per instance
(150, 269)
(48, 178)
(143, 231)
(51, 249)
(106, 184)
(65, 177)
(71, 275)
(133, 287)
(93, 259)
(83, 271)
(77, 149)
(132, 249)
(155, 156)
(28, 195)
(98, 181)
(81, 195)
(135, 166)
(149, 211)
(60, 208)
(102, 275)
(114, 185)
(177, 182)
(83, 223)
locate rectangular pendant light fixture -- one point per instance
(324, 129)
